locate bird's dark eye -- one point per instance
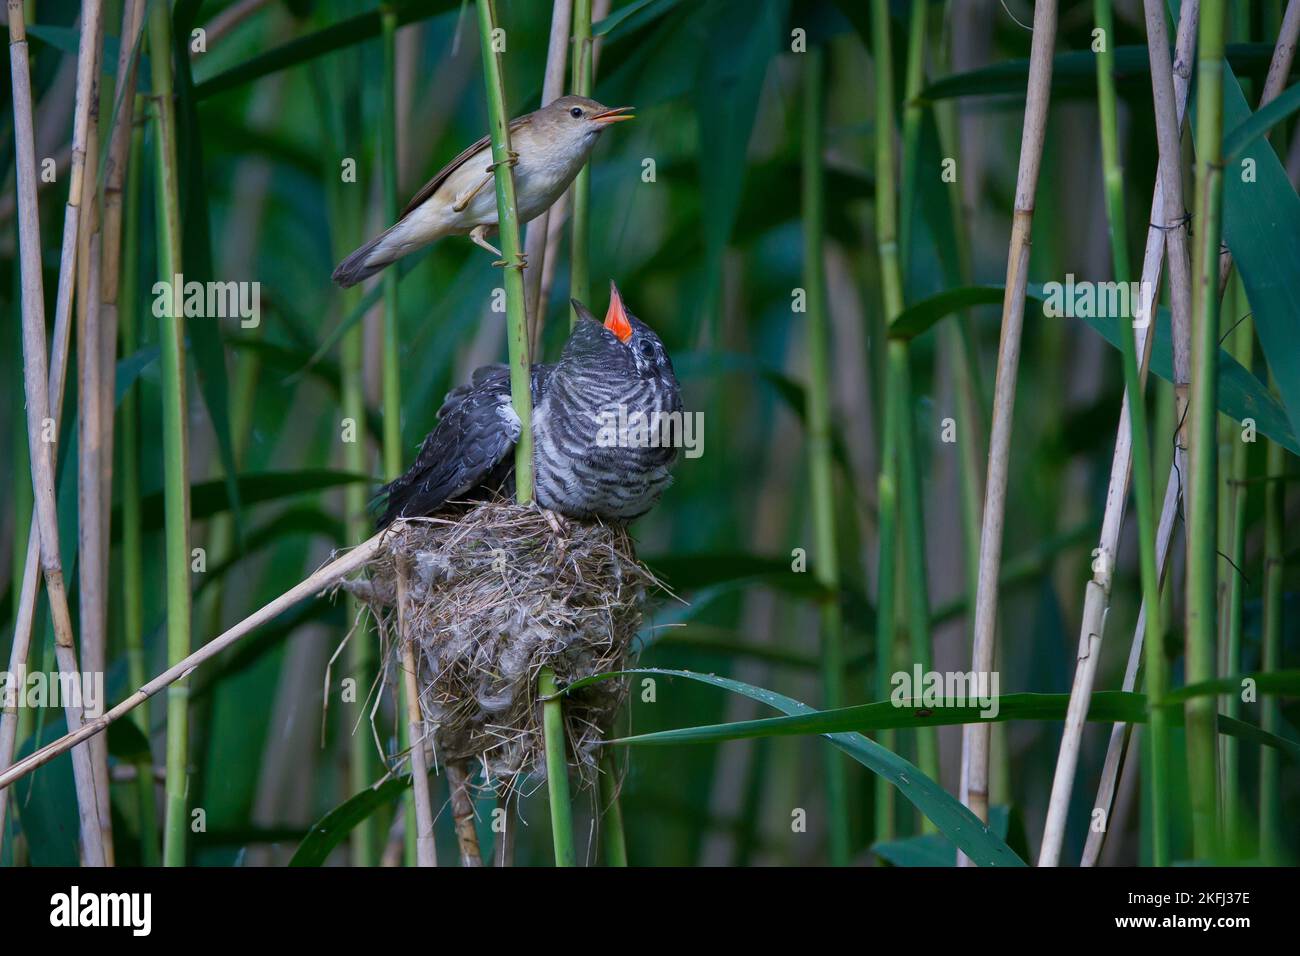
(647, 349)
(576, 112)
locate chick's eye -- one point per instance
(576, 112)
(647, 349)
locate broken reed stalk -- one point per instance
(893, 258)
(975, 738)
(820, 465)
(321, 580)
(536, 236)
(462, 813)
(1131, 458)
(176, 487)
(131, 554)
(503, 161)
(1202, 550)
(43, 381)
(557, 769)
(580, 191)
(426, 853)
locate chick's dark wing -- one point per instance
(477, 429)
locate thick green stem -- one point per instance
(900, 378)
(821, 469)
(557, 769)
(1202, 525)
(392, 392)
(131, 557)
(611, 814)
(508, 217)
(176, 489)
(580, 85)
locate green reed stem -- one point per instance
(611, 814)
(1112, 169)
(132, 551)
(1270, 815)
(557, 769)
(508, 217)
(1201, 525)
(176, 490)
(821, 468)
(580, 242)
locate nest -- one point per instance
(492, 597)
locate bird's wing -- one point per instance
(431, 187)
(477, 429)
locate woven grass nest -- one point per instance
(493, 595)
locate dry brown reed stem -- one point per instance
(426, 853)
(1171, 82)
(325, 578)
(535, 244)
(462, 813)
(39, 385)
(92, 541)
(975, 739)
(1279, 69)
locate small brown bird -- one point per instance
(549, 146)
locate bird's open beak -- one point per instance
(615, 115)
(616, 316)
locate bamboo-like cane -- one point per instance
(92, 563)
(536, 238)
(462, 814)
(820, 466)
(1279, 69)
(326, 577)
(975, 739)
(1202, 549)
(503, 160)
(893, 259)
(426, 853)
(1170, 86)
(557, 768)
(43, 386)
(176, 484)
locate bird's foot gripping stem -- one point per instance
(512, 160)
(478, 236)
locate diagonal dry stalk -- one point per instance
(43, 387)
(326, 577)
(536, 245)
(1168, 232)
(1279, 68)
(426, 853)
(975, 737)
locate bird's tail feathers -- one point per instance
(366, 261)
